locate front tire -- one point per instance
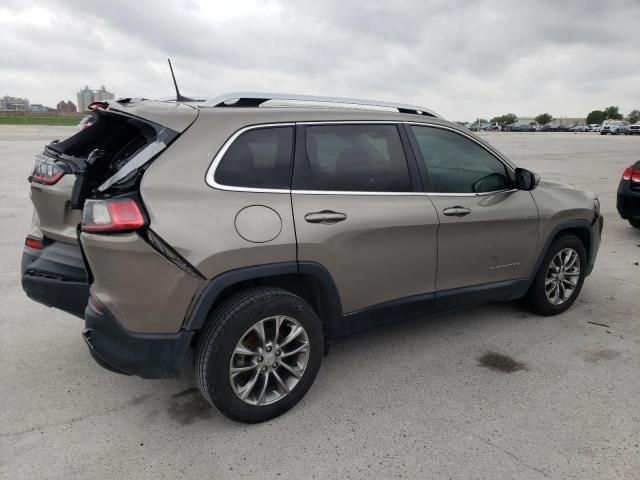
(559, 278)
(634, 223)
(259, 354)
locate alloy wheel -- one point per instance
(562, 276)
(269, 360)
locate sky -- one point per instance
(462, 59)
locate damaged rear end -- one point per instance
(103, 161)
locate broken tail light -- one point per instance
(114, 215)
(46, 172)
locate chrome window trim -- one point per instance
(479, 194)
(210, 175)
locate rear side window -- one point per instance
(259, 158)
(358, 158)
(456, 164)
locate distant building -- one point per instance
(87, 96)
(66, 107)
(38, 107)
(14, 103)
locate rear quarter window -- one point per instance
(259, 158)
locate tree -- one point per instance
(634, 116)
(596, 116)
(612, 113)
(544, 118)
(506, 119)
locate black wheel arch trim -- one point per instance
(566, 225)
(330, 300)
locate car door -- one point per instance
(488, 230)
(360, 213)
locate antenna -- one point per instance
(179, 97)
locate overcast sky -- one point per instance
(462, 59)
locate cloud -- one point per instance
(463, 59)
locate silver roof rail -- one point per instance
(253, 99)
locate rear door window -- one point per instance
(357, 158)
(259, 158)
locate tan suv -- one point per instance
(237, 236)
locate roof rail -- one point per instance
(253, 99)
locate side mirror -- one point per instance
(526, 180)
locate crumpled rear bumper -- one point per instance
(56, 277)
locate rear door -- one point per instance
(359, 212)
(488, 230)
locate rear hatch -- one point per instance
(108, 158)
(111, 153)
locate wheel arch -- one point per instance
(309, 280)
(579, 228)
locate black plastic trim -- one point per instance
(56, 277)
(70, 297)
(592, 249)
(145, 355)
(478, 294)
(214, 288)
(384, 313)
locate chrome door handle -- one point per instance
(456, 211)
(325, 217)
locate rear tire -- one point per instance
(557, 283)
(634, 223)
(258, 321)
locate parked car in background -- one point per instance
(86, 122)
(524, 127)
(483, 127)
(628, 203)
(544, 128)
(594, 127)
(634, 129)
(233, 239)
(578, 128)
(614, 127)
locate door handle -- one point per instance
(456, 211)
(325, 217)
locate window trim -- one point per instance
(415, 184)
(210, 174)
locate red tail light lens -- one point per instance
(35, 243)
(632, 174)
(119, 215)
(46, 172)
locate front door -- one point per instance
(359, 214)
(488, 230)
